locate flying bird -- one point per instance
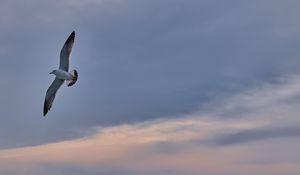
(62, 74)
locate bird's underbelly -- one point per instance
(64, 75)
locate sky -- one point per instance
(166, 87)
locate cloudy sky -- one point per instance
(166, 87)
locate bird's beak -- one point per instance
(50, 72)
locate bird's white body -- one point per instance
(63, 75)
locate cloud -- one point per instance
(182, 145)
(123, 148)
(243, 137)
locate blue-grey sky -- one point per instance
(149, 61)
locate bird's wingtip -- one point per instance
(72, 36)
(45, 108)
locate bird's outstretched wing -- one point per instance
(50, 95)
(65, 53)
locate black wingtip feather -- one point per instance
(71, 37)
(45, 109)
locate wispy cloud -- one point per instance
(136, 148)
(257, 135)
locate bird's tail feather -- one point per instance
(74, 79)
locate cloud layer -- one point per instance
(262, 142)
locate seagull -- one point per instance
(62, 74)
